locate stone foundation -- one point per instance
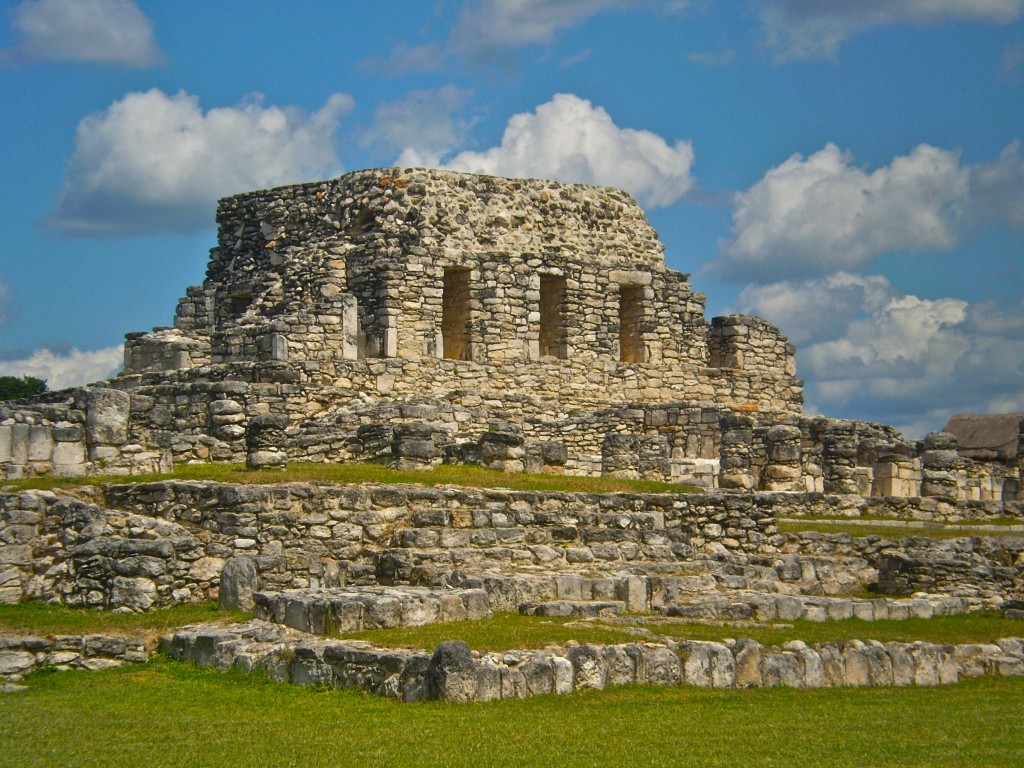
(454, 673)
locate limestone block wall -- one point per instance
(75, 432)
(453, 673)
(985, 571)
(21, 655)
(837, 456)
(142, 545)
(358, 267)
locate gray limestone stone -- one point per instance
(239, 581)
(107, 417)
(452, 675)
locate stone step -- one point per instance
(740, 607)
(350, 609)
(455, 673)
(574, 608)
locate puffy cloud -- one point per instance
(71, 368)
(488, 28)
(493, 30)
(154, 162)
(571, 140)
(804, 29)
(999, 189)
(820, 214)
(99, 31)
(422, 124)
(817, 310)
(919, 360)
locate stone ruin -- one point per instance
(420, 317)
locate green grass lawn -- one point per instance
(508, 631)
(45, 619)
(169, 714)
(470, 476)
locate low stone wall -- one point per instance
(454, 673)
(75, 432)
(985, 570)
(929, 510)
(22, 654)
(143, 545)
(326, 612)
(138, 546)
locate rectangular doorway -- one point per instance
(455, 314)
(552, 317)
(631, 317)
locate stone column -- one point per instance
(654, 454)
(620, 455)
(735, 452)
(503, 450)
(938, 466)
(417, 445)
(782, 472)
(896, 473)
(265, 441)
(839, 459)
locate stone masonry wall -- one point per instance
(454, 673)
(354, 268)
(138, 546)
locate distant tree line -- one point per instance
(14, 388)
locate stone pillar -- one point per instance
(938, 466)
(503, 449)
(654, 458)
(417, 445)
(239, 581)
(839, 459)
(265, 441)
(106, 425)
(735, 452)
(349, 327)
(620, 455)
(782, 472)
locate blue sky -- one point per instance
(850, 170)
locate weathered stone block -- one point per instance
(452, 674)
(239, 581)
(107, 416)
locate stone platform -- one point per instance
(455, 673)
(340, 610)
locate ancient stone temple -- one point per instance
(467, 282)
(419, 316)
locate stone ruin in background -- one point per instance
(423, 317)
(419, 317)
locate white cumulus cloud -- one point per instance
(158, 162)
(72, 368)
(489, 31)
(98, 31)
(868, 345)
(817, 310)
(569, 139)
(805, 29)
(489, 27)
(822, 214)
(423, 124)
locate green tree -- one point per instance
(13, 388)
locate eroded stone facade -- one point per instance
(420, 317)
